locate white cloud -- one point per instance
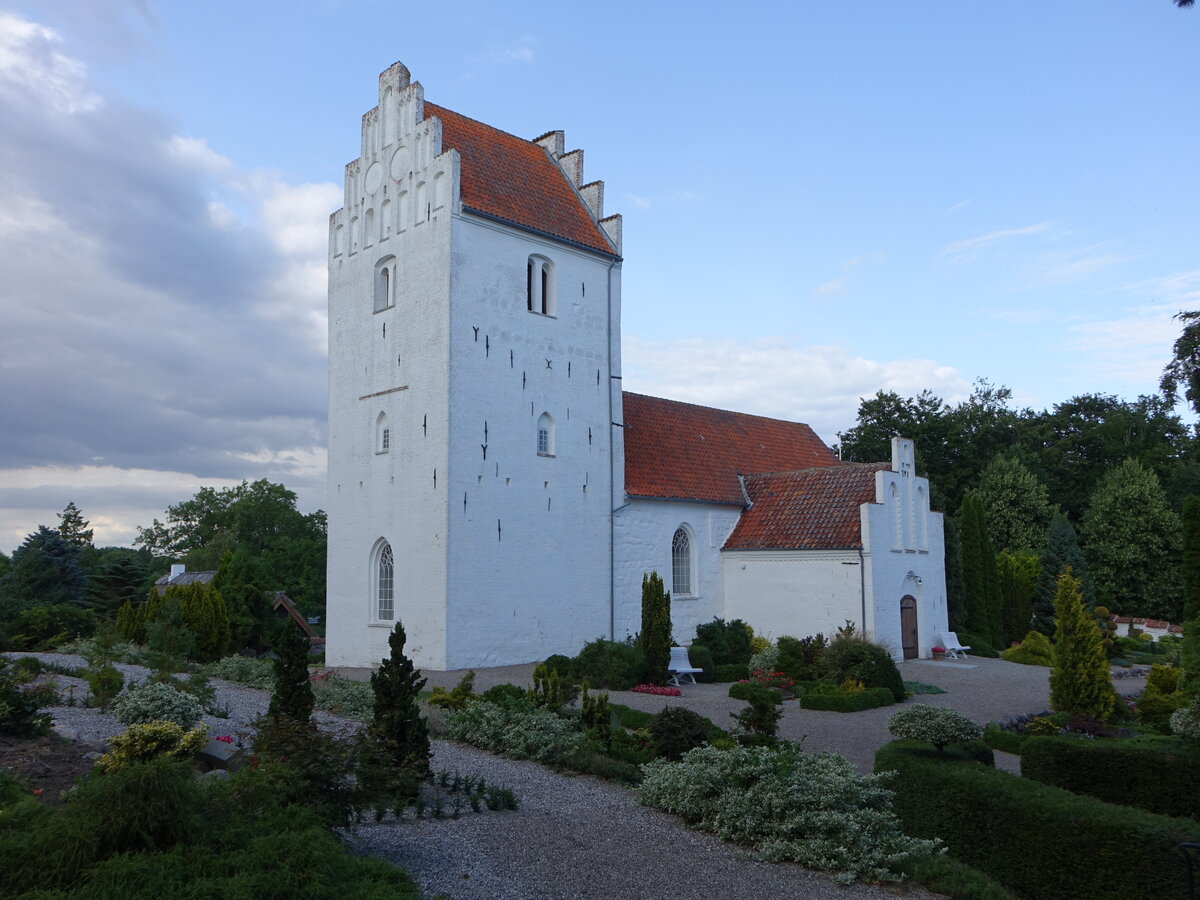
(960, 205)
(968, 249)
(33, 71)
(820, 386)
(521, 52)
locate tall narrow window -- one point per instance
(385, 283)
(539, 286)
(385, 579)
(681, 563)
(545, 435)
(383, 434)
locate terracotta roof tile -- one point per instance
(516, 180)
(814, 509)
(682, 451)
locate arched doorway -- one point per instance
(908, 625)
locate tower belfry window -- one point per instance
(539, 286)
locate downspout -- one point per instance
(862, 586)
(612, 500)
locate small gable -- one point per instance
(682, 451)
(814, 509)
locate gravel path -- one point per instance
(575, 836)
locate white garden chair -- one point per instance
(954, 649)
(681, 667)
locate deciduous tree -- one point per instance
(1017, 506)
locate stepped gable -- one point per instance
(516, 180)
(681, 451)
(814, 509)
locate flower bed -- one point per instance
(655, 689)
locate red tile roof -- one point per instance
(815, 509)
(682, 451)
(516, 180)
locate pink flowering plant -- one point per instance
(766, 678)
(660, 691)
(937, 649)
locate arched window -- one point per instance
(545, 435)
(384, 582)
(383, 434)
(681, 563)
(539, 286)
(385, 283)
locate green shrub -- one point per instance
(676, 730)
(766, 659)
(507, 695)
(741, 690)
(935, 724)
(1034, 650)
(148, 740)
(535, 734)
(596, 717)
(592, 762)
(1002, 739)
(812, 809)
(564, 666)
(458, 696)
(45, 627)
(857, 658)
(946, 875)
(728, 641)
(292, 694)
(1186, 722)
(801, 658)
(1131, 772)
(732, 672)
(104, 683)
(1039, 841)
(549, 692)
(304, 766)
(701, 658)
(761, 716)
(655, 636)
(154, 701)
(835, 701)
(18, 710)
(246, 670)
(398, 730)
(612, 665)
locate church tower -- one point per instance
(475, 451)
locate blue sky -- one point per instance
(820, 199)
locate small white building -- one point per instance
(491, 485)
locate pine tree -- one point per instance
(1017, 573)
(398, 726)
(1062, 550)
(980, 581)
(656, 628)
(293, 694)
(73, 527)
(1081, 681)
(1133, 542)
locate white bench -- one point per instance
(681, 667)
(954, 649)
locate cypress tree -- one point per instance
(656, 628)
(1081, 681)
(1017, 574)
(955, 604)
(293, 694)
(399, 729)
(980, 582)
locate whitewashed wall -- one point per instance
(794, 592)
(643, 533)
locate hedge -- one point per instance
(731, 672)
(1160, 775)
(1037, 840)
(1001, 739)
(866, 699)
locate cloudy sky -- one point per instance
(821, 200)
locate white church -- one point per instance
(493, 487)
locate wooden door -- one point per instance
(908, 625)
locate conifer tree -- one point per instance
(1017, 574)
(293, 694)
(955, 608)
(1062, 550)
(980, 581)
(398, 727)
(1081, 681)
(656, 628)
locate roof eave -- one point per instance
(545, 234)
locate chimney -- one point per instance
(177, 569)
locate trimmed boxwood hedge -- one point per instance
(1000, 739)
(867, 699)
(1038, 841)
(731, 672)
(1158, 774)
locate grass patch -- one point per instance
(920, 687)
